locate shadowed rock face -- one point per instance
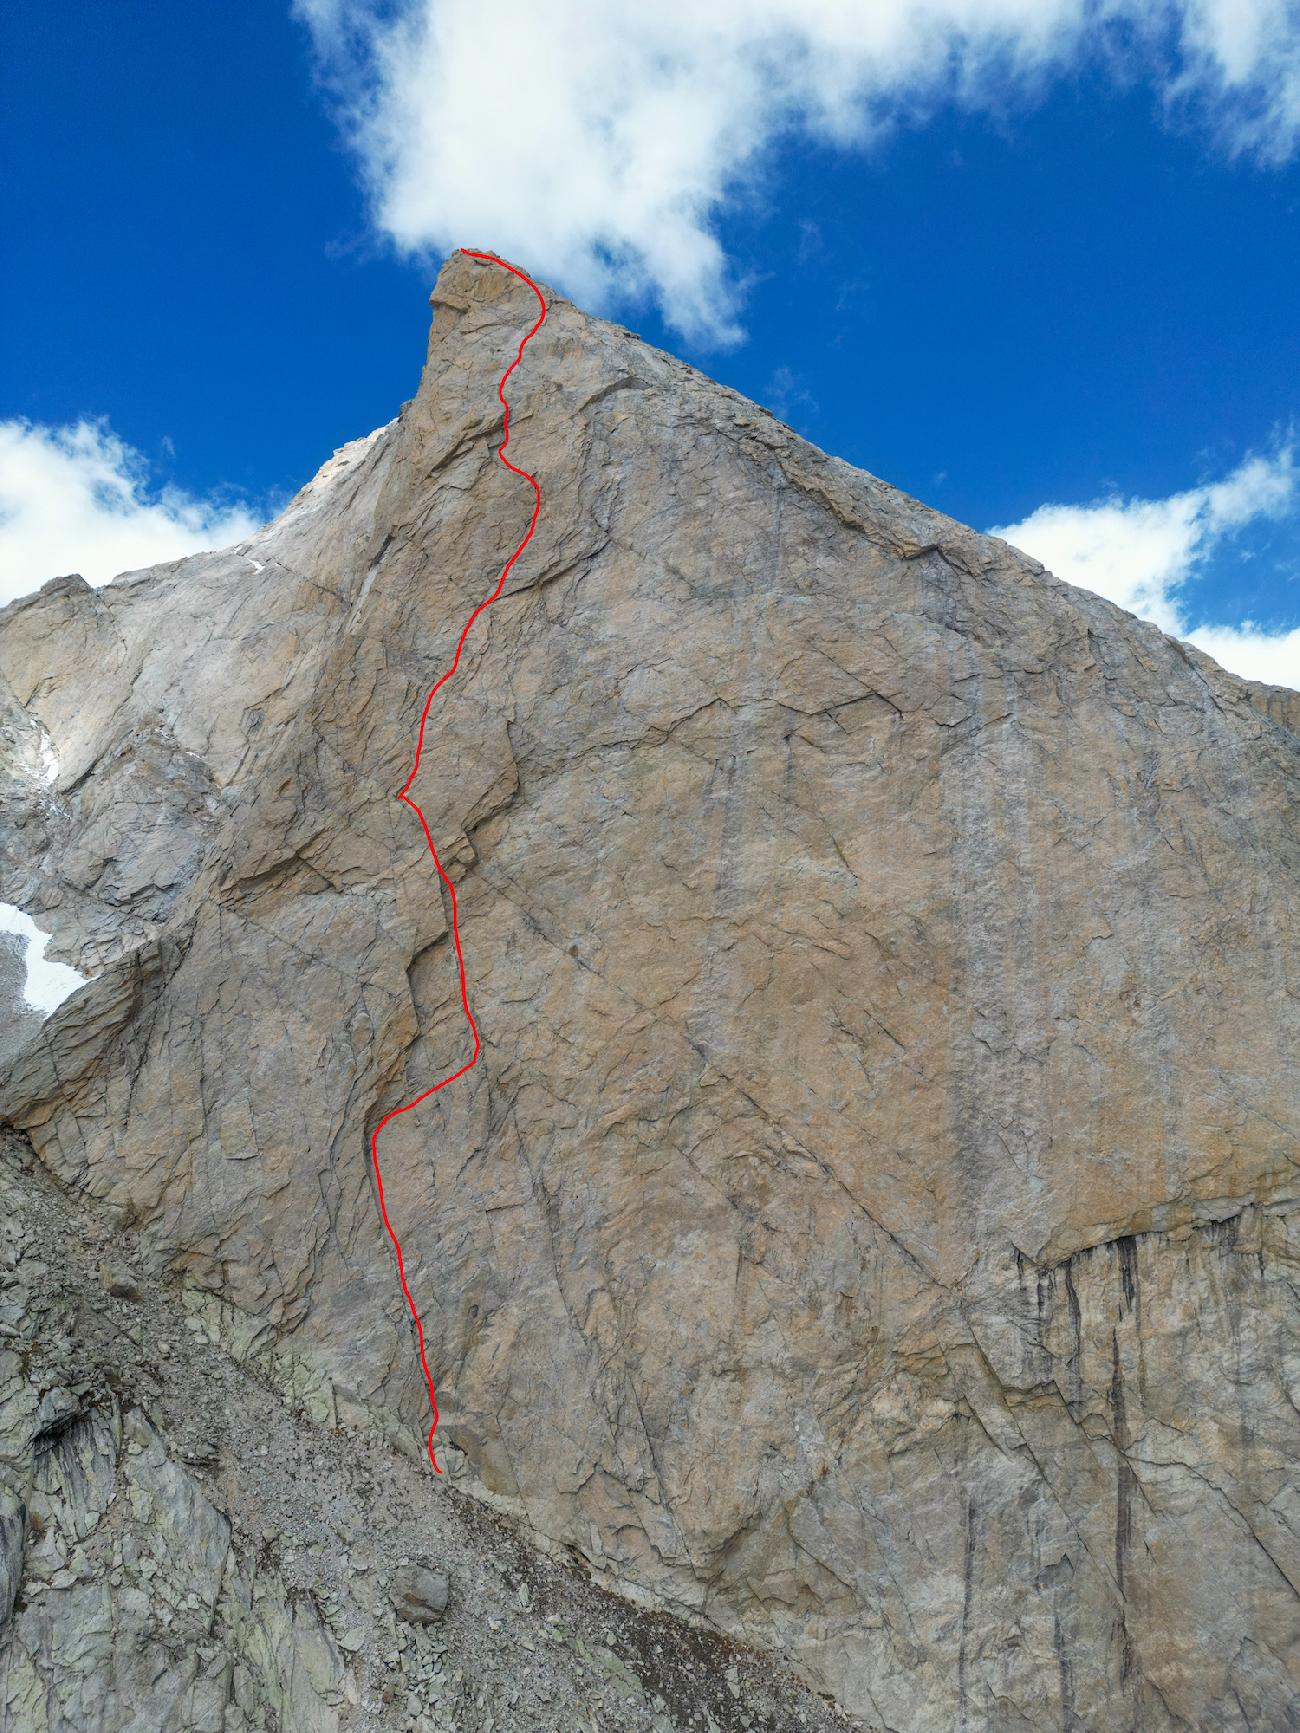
(869, 1225)
(18, 1021)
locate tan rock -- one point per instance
(868, 1225)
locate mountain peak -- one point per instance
(880, 951)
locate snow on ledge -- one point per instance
(49, 767)
(48, 983)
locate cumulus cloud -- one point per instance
(1253, 652)
(1143, 553)
(597, 142)
(77, 499)
(1242, 68)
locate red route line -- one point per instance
(403, 794)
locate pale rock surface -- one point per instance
(871, 1228)
(181, 1550)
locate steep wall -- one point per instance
(868, 1226)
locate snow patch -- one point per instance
(48, 983)
(49, 757)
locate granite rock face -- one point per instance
(182, 1549)
(871, 1228)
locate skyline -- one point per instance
(1046, 299)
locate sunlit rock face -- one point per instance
(868, 1227)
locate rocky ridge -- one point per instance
(871, 1229)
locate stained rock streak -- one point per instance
(404, 795)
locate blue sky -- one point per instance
(1031, 271)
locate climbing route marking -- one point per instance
(404, 795)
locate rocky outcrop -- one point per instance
(181, 1549)
(19, 1023)
(867, 1230)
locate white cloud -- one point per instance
(76, 499)
(596, 142)
(1255, 654)
(1141, 553)
(1242, 64)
